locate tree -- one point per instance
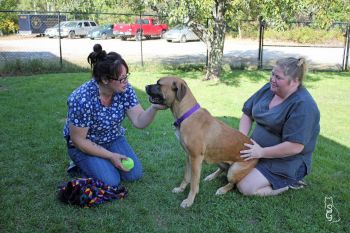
(8, 21)
(209, 20)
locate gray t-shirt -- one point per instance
(296, 119)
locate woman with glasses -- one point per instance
(287, 126)
(95, 137)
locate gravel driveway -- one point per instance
(236, 52)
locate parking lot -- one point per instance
(236, 52)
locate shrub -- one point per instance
(297, 34)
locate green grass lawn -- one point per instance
(33, 162)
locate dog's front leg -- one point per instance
(196, 166)
(187, 177)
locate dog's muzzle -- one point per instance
(155, 94)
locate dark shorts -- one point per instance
(279, 181)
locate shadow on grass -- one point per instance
(233, 77)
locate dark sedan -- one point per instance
(101, 32)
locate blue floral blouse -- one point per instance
(86, 111)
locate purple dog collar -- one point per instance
(177, 123)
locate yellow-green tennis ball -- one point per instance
(128, 163)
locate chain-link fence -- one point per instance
(325, 49)
(66, 38)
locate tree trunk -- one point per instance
(216, 41)
(216, 51)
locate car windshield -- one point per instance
(62, 23)
(71, 24)
(179, 27)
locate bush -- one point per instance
(306, 35)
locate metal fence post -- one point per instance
(141, 38)
(207, 58)
(59, 38)
(261, 42)
(346, 50)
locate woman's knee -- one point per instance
(245, 188)
(113, 180)
(132, 175)
(101, 169)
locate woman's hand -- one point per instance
(159, 106)
(116, 161)
(254, 151)
(141, 118)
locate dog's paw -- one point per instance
(209, 177)
(186, 203)
(178, 190)
(221, 191)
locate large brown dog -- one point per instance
(202, 136)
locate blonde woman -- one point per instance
(287, 126)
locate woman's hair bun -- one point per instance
(97, 48)
(301, 61)
(97, 55)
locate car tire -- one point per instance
(71, 35)
(104, 36)
(183, 39)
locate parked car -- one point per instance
(147, 27)
(180, 33)
(53, 31)
(77, 28)
(101, 32)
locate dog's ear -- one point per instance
(180, 90)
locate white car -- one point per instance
(53, 31)
(180, 33)
(77, 28)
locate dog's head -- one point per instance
(166, 91)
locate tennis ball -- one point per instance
(128, 163)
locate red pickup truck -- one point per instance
(147, 27)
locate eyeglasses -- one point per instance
(122, 79)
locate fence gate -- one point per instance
(327, 51)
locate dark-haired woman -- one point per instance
(95, 138)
